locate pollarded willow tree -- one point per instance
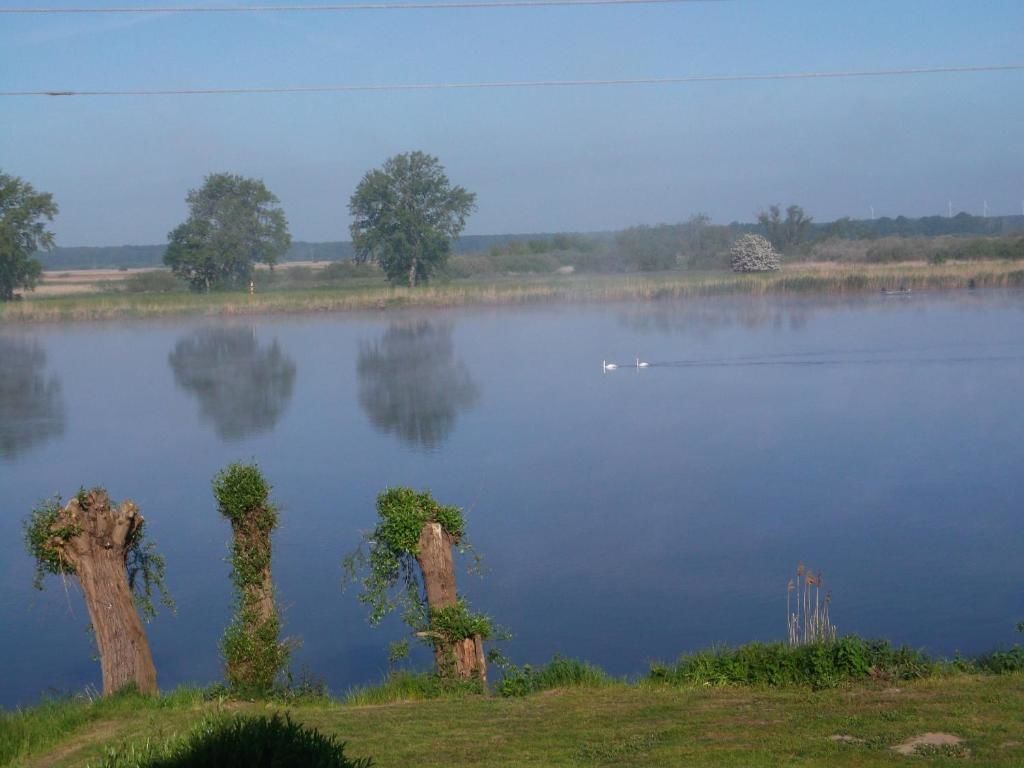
(254, 655)
(103, 545)
(407, 563)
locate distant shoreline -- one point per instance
(830, 279)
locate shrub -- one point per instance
(239, 742)
(823, 665)
(559, 673)
(1002, 662)
(412, 686)
(753, 253)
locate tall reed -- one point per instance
(809, 623)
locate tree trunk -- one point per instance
(260, 592)
(257, 608)
(412, 273)
(465, 657)
(98, 554)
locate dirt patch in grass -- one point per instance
(931, 743)
(843, 738)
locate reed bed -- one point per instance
(824, 279)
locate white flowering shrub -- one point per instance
(753, 253)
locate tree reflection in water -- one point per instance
(31, 403)
(242, 387)
(411, 384)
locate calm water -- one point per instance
(623, 517)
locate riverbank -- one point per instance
(623, 725)
(364, 294)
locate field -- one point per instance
(99, 299)
(617, 724)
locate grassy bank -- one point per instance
(621, 725)
(363, 294)
(850, 702)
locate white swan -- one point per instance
(641, 364)
(606, 366)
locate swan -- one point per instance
(606, 366)
(641, 364)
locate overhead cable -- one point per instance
(439, 86)
(356, 6)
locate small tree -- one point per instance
(752, 253)
(408, 564)
(254, 656)
(23, 213)
(233, 224)
(405, 216)
(103, 545)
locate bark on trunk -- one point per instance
(98, 554)
(412, 274)
(260, 593)
(464, 658)
(257, 596)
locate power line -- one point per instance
(399, 6)
(354, 88)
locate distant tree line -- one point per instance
(407, 224)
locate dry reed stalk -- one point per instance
(810, 623)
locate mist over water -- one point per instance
(623, 516)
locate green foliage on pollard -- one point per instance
(243, 494)
(237, 742)
(456, 622)
(46, 526)
(389, 557)
(254, 655)
(390, 580)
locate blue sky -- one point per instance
(539, 160)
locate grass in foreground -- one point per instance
(867, 694)
(361, 294)
(31, 731)
(622, 725)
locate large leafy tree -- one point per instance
(405, 216)
(23, 216)
(233, 224)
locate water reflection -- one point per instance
(242, 387)
(411, 384)
(31, 405)
(704, 319)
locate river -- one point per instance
(623, 516)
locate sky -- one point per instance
(539, 160)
